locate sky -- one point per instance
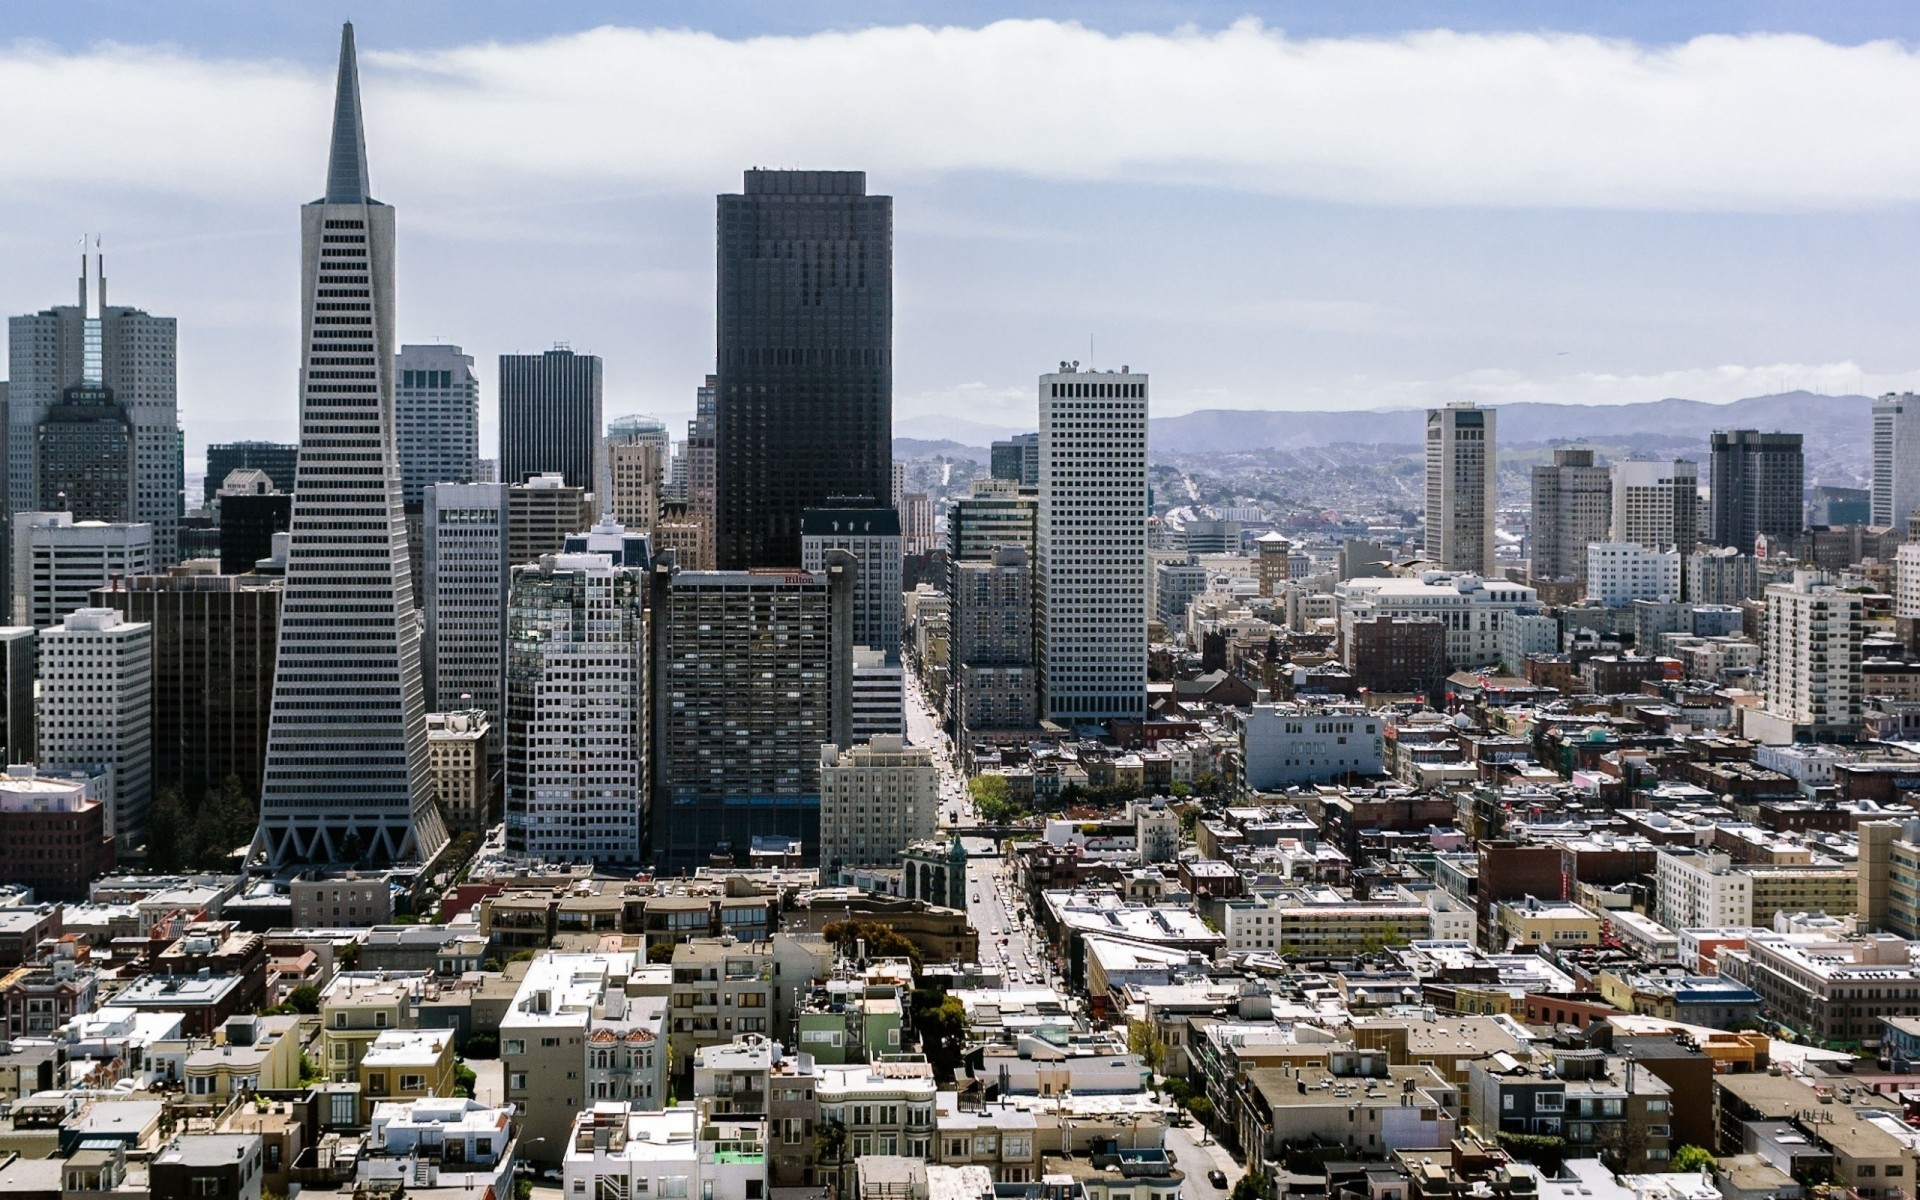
(1262, 205)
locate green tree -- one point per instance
(1254, 1185)
(1140, 1040)
(463, 1079)
(1202, 1109)
(304, 999)
(1692, 1158)
(882, 941)
(941, 1022)
(309, 1069)
(992, 797)
(482, 1045)
(660, 952)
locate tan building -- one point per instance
(540, 514)
(357, 1008)
(1535, 922)
(254, 1054)
(636, 471)
(406, 1064)
(687, 533)
(457, 747)
(350, 901)
(876, 799)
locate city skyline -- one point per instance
(1594, 285)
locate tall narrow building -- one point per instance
(804, 402)
(466, 570)
(347, 776)
(120, 359)
(1572, 504)
(550, 418)
(436, 418)
(1656, 503)
(1460, 488)
(699, 451)
(1090, 600)
(1758, 484)
(1896, 459)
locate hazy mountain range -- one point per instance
(1836, 427)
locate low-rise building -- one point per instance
(406, 1064)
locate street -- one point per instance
(1196, 1160)
(923, 729)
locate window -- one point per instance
(517, 1081)
(514, 1046)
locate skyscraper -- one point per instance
(1016, 459)
(436, 417)
(347, 776)
(277, 459)
(1461, 462)
(465, 568)
(636, 454)
(576, 778)
(57, 561)
(1656, 504)
(1572, 505)
(85, 440)
(699, 451)
(126, 358)
(992, 644)
(805, 355)
(1896, 459)
(871, 535)
(1091, 585)
(96, 709)
(1813, 676)
(550, 418)
(1758, 483)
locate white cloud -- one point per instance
(1759, 122)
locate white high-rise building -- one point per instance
(876, 799)
(134, 353)
(1618, 573)
(577, 778)
(879, 693)
(1090, 590)
(436, 405)
(347, 776)
(1896, 459)
(1657, 504)
(96, 710)
(873, 536)
(1813, 678)
(58, 561)
(464, 569)
(1460, 488)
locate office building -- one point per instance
(687, 534)
(1091, 583)
(252, 510)
(436, 418)
(459, 749)
(1016, 460)
(879, 693)
(917, 536)
(1758, 482)
(1618, 573)
(998, 513)
(550, 418)
(991, 611)
(752, 671)
(122, 362)
(277, 459)
(1827, 505)
(54, 836)
(1721, 575)
(623, 547)
(1895, 484)
(804, 399)
(1462, 464)
(1175, 585)
(464, 570)
(541, 512)
(1657, 504)
(699, 451)
(19, 671)
(872, 536)
(346, 776)
(57, 561)
(1475, 610)
(1813, 683)
(639, 457)
(876, 799)
(576, 779)
(96, 710)
(213, 639)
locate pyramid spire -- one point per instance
(347, 156)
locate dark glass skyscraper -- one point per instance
(550, 418)
(1759, 481)
(805, 387)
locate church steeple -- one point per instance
(347, 156)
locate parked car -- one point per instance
(1217, 1178)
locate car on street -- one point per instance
(1217, 1177)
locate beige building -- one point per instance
(457, 747)
(357, 1008)
(350, 901)
(406, 1064)
(543, 1043)
(254, 1054)
(876, 799)
(540, 514)
(1534, 922)
(688, 534)
(636, 471)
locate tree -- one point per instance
(1140, 1040)
(464, 1079)
(660, 952)
(1254, 1185)
(304, 999)
(882, 941)
(309, 1070)
(991, 796)
(1692, 1158)
(167, 824)
(941, 1022)
(1202, 1109)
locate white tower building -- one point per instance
(576, 777)
(1896, 459)
(1091, 545)
(1460, 488)
(96, 710)
(347, 776)
(1656, 504)
(58, 561)
(1813, 657)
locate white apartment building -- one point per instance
(57, 561)
(1460, 487)
(1474, 609)
(1895, 487)
(577, 730)
(463, 565)
(615, 1150)
(96, 710)
(1289, 744)
(1813, 640)
(875, 800)
(547, 1039)
(886, 1108)
(1657, 504)
(1090, 585)
(1618, 573)
(1322, 921)
(872, 536)
(879, 694)
(1698, 888)
(1906, 581)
